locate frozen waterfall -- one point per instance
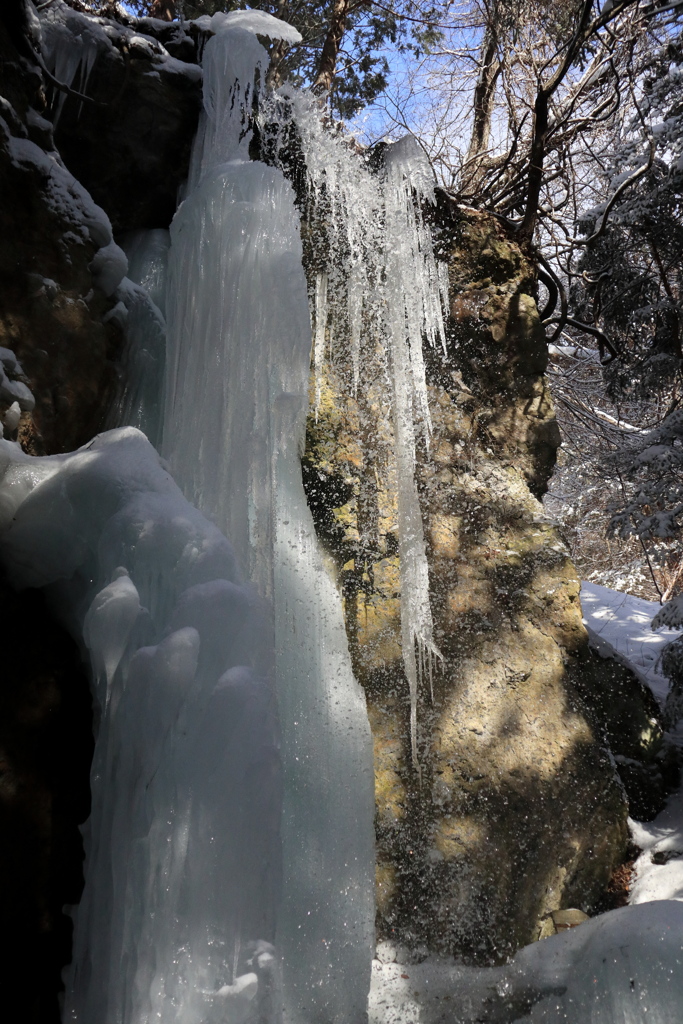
(229, 853)
(183, 862)
(235, 409)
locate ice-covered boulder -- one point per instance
(621, 968)
(183, 843)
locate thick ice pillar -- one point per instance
(236, 399)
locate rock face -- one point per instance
(52, 313)
(130, 145)
(45, 753)
(517, 810)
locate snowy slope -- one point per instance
(624, 622)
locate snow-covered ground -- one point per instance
(625, 623)
(623, 967)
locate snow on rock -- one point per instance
(73, 41)
(12, 417)
(658, 870)
(626, 623)
(13, 388)
(109, 266)
(671, 615)
(623, 967)
(64, 194)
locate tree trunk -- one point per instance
(484, 95)
(327, 67)
(165, 10)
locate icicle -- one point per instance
(70, 52)
(383, 277)
(409, 274)
(319, 336)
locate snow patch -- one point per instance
(108, 267)
(626, 623)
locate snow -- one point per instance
(658, 870)
(64, 194)
(253, 22)
(12, 417)
(670, 615)
(625, 622)
(623, 967)
(12, 390)
(73, 42)
(574, 351)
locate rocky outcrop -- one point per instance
(57, 371)
(517, 810)
(625, 712)
(129, 143)
(54, 241)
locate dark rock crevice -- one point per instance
(130, 146)
(45, 753)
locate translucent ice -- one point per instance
(236, 401)
(381, 288)
(183, 845)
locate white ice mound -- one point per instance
(624, 967)
(183, 846)
(256, 22)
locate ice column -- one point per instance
(236, 401)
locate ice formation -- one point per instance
(239, 345)
(182, 847)
(141, 302)
(381, 291)
(72, 42)
(623, 967)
